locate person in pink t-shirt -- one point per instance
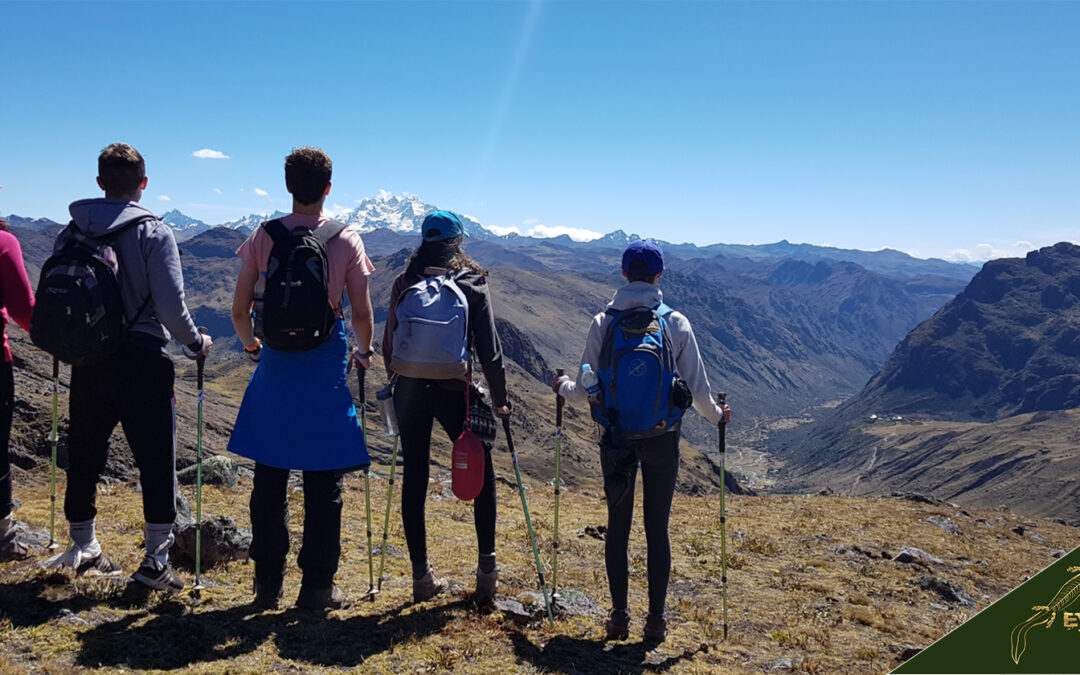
(297, 411)
(17, 301)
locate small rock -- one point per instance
(1002, 507)
(222, 541)
(783, 664)
(183, 511)
(910, 554)
(909, 651)
(1058, 553)
(948, 590)
(514, 610)
(920, 499)
(938, 606)
(216, 470)
(1036, 536)
(944, 523)
(594, 531)
(826, 492)
(391, 550)
(572, 602)
(69, 618)
(1019, 529)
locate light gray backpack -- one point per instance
(431, 340)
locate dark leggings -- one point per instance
(659, 460)
(7, 407)
(321, 547)
(418, 404)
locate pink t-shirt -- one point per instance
(345, 253)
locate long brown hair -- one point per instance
(446, 253)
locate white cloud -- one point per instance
(261, 192)
(1025, 245)
(207, 153)
(530, 221)
(384, 194)
(983, 252)
(218, 190)
(575, 233)
(502, 231)
(164, 198)
(335, 211)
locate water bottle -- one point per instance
(591, 382)
(385, 400)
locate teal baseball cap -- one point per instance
(442, 225)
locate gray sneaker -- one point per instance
(98, 566)
(158, 577)
(428, 586)
(485, 586)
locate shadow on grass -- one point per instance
(575, 656)
(179, 640)
(35, 601)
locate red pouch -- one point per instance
(467, 460)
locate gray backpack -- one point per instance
(431, 340)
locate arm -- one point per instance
(571, 389)
(690, 366)
(18, 297)
(363, 318)
(486, 341)
(167, 287)
(243, 302)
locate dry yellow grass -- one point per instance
(793, 591)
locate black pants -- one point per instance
(7, 407)
(659, 460)
(418, 403)
(321, 547)
(135, 388)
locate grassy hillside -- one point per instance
(811, 586)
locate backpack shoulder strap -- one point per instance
(328, 230)
(663, 311)
(276, 229)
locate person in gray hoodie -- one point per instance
(658, 455)
(134, 386)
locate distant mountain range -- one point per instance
(404, 215)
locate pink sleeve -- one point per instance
(358, 265)
(18, 297)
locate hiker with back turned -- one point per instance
(297, 412)
(440, 311)
(640, 371)
(124, 375)
(17, 301)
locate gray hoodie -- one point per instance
(149, 266)
(683, 346)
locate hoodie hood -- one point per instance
(100, 216)
(636, 294)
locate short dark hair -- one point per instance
(307, 173)
(651, 278)
(121, 169)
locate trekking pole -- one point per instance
(558, 474)
(54, 438)
(361, 374)
(722, 428)
(528, 521)
(199, 364)
(389, 499)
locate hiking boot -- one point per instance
(655, 628)
(428, 586)
(11, 547)
(98, 566)
(321, 598)
(268, 593)
(158, 577)
(618, 624)
(485, 586)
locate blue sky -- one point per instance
(938, 128)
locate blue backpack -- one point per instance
(431, 339)
(637, 375)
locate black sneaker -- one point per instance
(158, 577)
(321, 598)
(655, 628)
(268, 593)
(98, 566)
(618, 624)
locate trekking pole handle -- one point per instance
(200, 361)
(559, 400)
(361, 374)
(55, 368)
(721, 400)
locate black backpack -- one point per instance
(294, 313)
(78, 308)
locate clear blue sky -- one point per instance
(928, 127)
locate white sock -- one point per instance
(85, 538)
(159, 539)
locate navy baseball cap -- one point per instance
(441, 225)
(643, 257)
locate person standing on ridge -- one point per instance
(18, 304)
(297, 411)
(639, 343)
(430, 360)
(134, 385)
